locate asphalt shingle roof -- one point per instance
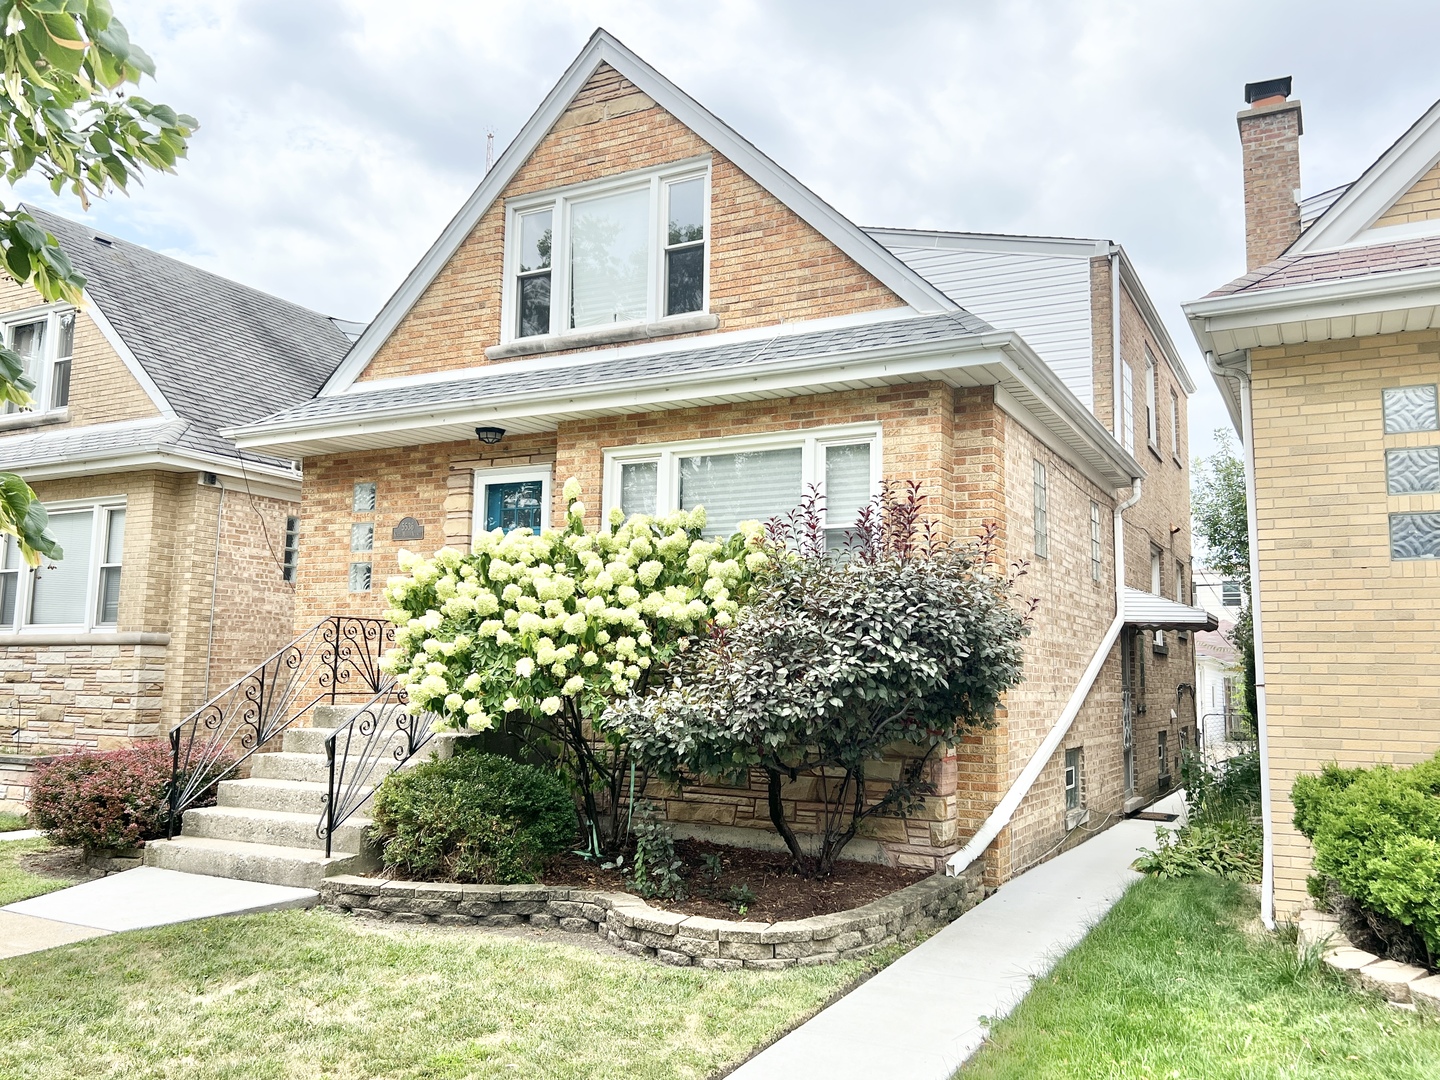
(221, 353)
(607, 367)
(90, 440)
(1343, 265)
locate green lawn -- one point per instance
(17, 883)
(312, 994)
(10, 822)
(1178, 982)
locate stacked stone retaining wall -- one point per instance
(629, 923)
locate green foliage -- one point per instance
(1228, 848)
(65, 114)
(909, 641)
(1376, 833)
(542, 632)
(656, 870)
(474, 817)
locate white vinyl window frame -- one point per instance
(1152, 412)
(51, 370)
(485, 478)
(1127, 406)
(812, 442)
(561, 201)
(100, 519)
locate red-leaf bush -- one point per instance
(107, 801)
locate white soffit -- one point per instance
(603, 48)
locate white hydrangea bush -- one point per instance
(557, 624)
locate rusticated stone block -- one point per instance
(543, 921)
(746, 950)
(673, 958)
(846, 941)
(793, 950)
(594, 912)
(454, 920)
(1425, 994)
(637, 948)
(1391, 979)
(393, 903)
(769, 965)
(799, 930)
(519, 907)
(720, 963)
(409, 917)
(815, 959)
(577, 925)
(438, 890)
(565, 909)
(694, 946)
(503, 920)
(742, 931)
(434, 907)
(370, 913)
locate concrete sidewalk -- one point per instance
(923, 1016)
(146, 896)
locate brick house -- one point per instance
(637, 297)
(1327, 353)
(179, 549)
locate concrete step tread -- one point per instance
(256, 814)
(271, 851)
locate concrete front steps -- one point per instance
(263, 828)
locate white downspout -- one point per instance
(1262, 729)
(1006, 807)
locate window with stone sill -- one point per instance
(80, 591)
(45, 342)
(625, 250)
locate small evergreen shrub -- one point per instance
(1226, 847)
(1376, 834)
(105, 801)
(473, 818)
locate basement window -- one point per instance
(625, 250)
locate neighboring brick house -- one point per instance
(1327, 352)
(175, 577)
(638, 298)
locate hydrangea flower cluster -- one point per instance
(564, 620)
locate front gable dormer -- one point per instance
(625, 212)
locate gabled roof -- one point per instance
(603, 48)
(211, 352)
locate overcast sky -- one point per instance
(339, 137)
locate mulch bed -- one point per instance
(778, 892)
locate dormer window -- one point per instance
(625, 250)
(45, 342)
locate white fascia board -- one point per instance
(1136, 288)
(1088, 443)
(602, 48)
(1396, 291)
(278, 482)
(1057, 246)
(128, 358)
(1393, 173)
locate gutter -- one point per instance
(1240, 371)
(1006, 807)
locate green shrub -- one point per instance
(1226, 847)
(474, 817)
(1376, 833)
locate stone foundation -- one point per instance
(627, 922)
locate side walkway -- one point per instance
(921, 1017)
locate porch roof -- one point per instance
(1146, 611)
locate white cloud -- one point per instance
(339, 137)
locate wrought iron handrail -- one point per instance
(378, 739)
(338, 655)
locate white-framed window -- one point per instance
(82, 590)
(291, 555)
(1175, 426)
(512, 499)
(1042, 512)
(1152, 417)
(623, 250)
(1156, 587)
(744, 478)
(1127, 406)
(1095, 550)
(1230, 593)
(1074, 778)
(45, 341)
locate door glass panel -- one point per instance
(609, 267)
(732, 488)
(513, 506)
(59, 596)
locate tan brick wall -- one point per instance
(102, 390)
(1270, 155)
(1349, 634)
(766, 264)
(1420, 203)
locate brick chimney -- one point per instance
(1270, 131)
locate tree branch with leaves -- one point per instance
(66, 116)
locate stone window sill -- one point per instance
(96, 637)
(584, 339)
(22, 421)
(1076, 817)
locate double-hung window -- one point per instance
(1152, 419)
(1156, 587)
(1175, 426)
(626, 250)
(79, 591)
(750, 478)
(45, 342)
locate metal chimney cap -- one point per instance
(1269, 88)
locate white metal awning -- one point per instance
(1150, 612)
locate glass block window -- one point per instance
(363, 501)
(1074, 768)
(1412, 472)
(1095, 552)
(359, 577)
(1042, 512)
(291, 556)
(1415, 536)
(1410, 408)
(362, 536)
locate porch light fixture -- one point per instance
(490, 435)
